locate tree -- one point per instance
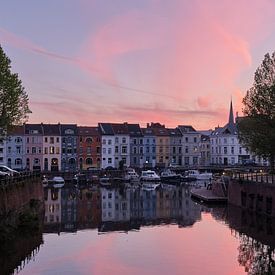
(14, 100)
(257, 127)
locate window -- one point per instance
(225, 150)
(135, 141)
(104, 141)
(89, 161)
(232, 150)
(98, 150)
(124, 149)
(9, 150)
(51, 149)
(110, 195)
(109, 160)
(89, 150)
(18, 140)
(116, 150)
(141, 141)
(116, 139)
(28, 140)
(57, 150)
(18, 161)
(186, 139)
(57, 139)
(186, 149)
(51, 140)
(46, 150)
(109, 142)
(109, 151)
(195, 139)
(39, 150)
(33, 150)
(46, 139)
(104, 150)
(124, 140)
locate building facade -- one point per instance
(33, 143)
(68, 147)
(136, 146)
(15, 148)
(51, 147)
(149, 147)
(225, 146)
(190, 145)
(89, 147)
(175, 158)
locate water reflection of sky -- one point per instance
(157, 238)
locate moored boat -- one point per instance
(196, 175)
(149, 175)
(170, 177)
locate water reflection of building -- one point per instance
(52, 197)
(89, 208)
(115, 204)
(69, 208)
(190, 210)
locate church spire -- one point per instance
(231, 116)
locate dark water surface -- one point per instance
(136, 231)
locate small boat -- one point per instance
(149, 175)
(196, 175)
(131, 175)
(170, 176)
(56, 182)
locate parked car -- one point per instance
(8, 170)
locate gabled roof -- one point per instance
(105, 129)
(120, 128)
(158, 129)
(134, 130)
(230, 128)
(186, 128)
(174, 132)
(33, 129)
(68, 129)
(147, 132)
(88, 131)
(51, 129)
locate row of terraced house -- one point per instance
(68, 147)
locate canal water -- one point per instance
(143, 231)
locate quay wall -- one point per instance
(16, 194)
(258, 197)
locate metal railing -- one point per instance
(254, 177)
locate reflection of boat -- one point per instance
(196, 175)
(131, 175)
(170, 176)
(57, 182)
(149, 175)
(105, 181)
(150, 186)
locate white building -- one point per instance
(15, 149)
(3, 159)
(225, 146)
(115, 141)
(190, 145)
(108, 204)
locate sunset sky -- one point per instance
(172, 61)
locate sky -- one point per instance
(169, 61)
